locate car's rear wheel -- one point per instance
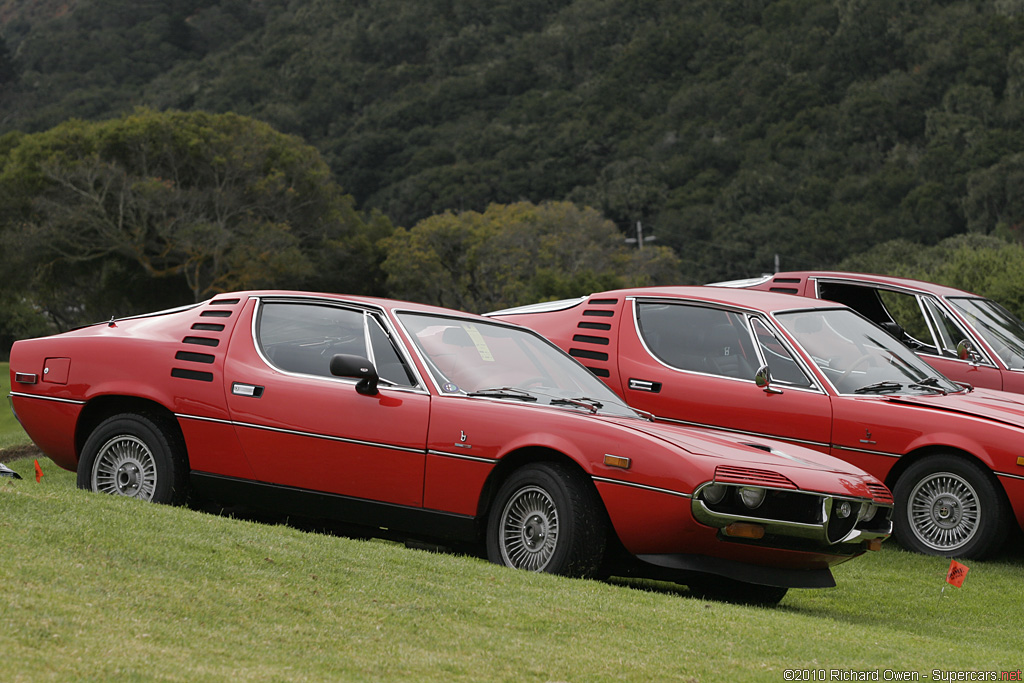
(724, 589)
(136, 456)
(547, 518)
(946, 505)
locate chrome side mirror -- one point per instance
(965, 351)
(763, 379)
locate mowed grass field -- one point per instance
(97, 588)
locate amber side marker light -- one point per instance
(1020, 460)
(617, 461)
(873, 544)
(744, 530)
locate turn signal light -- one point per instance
(744, 530)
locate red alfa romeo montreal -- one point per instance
(813, 373)
(425, 423)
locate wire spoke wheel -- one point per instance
(945, 511)
(125, 467)
(529, 529)
(138, 456)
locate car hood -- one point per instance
(998, 406)
(749, 450)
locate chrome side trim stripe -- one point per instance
(670, 492)
(864, 450)
(296, 432)
(774, 437)
(76, 402)
(463, 456)
(1009, 476)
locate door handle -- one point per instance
(242, 389)
(644, 385)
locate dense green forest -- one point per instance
(736, 132)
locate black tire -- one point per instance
(547, 518)
(949, 506)
(133, 455)
(723, 589)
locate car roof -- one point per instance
(380, 302)
(739, 298)
(885, 280)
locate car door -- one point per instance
(301, 427)
(693, 363)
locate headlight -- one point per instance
(714, 493)
(868, 511)
(751, 497)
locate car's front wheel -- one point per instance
(947, 505)
(547, 517)
(137, 456)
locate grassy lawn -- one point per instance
(101, 588)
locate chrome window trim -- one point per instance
(378, 314)
(746, 314)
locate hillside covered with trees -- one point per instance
(733, 131)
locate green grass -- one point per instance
(102, 588)
(11, 433)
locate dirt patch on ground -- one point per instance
(27, 450)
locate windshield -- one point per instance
(1003, 332)
(858, 357)
(477, 358)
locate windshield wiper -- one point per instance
(879, 387)
(582, 402)
(930, 383)
(505, 392)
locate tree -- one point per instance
(516, 254)
(210, 202)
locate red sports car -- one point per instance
(425, 423)
(813, 373)
(966, 337)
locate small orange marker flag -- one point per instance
(957, 573)
(39, 471)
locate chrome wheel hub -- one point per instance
(529, 529)
(125, 467)
(944, 511)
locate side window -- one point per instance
(386, 357)
(905, 310)
(698, 339)
(784, 368)
(302, 338)
(947, 330)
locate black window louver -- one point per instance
(585, 353)
(201, 341)
(198, 375)
(193, 357)
(594, 326)
(215, 314)
(208, 327)
(589, 339)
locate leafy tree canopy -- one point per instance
(735, 130)
(201, 202)
(516, 254)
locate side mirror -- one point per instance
(965, 351)
(763, 379)
(347, 365)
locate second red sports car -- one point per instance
(814, 373)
